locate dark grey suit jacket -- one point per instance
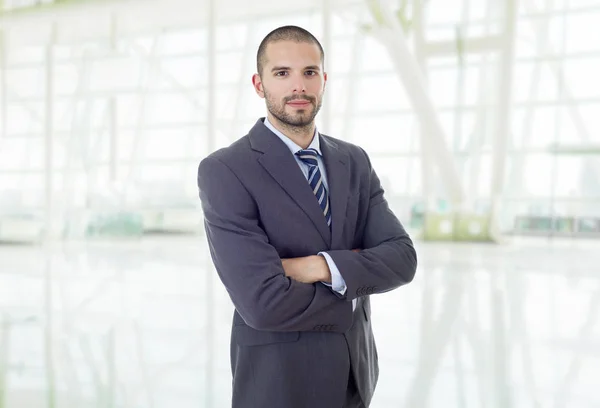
(293, 344)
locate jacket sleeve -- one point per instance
(250, 267)
(388, 259)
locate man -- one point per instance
(301, 235)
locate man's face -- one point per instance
(292, 82)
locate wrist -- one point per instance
(325, 273)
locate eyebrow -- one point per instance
(312, 67)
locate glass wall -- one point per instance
(119, 113)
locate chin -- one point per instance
(301, 112)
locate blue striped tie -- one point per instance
(315, 179)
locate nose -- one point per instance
(298, 84)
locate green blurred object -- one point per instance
(124, 224)
(456, 227)
(589, 225)
(417, 216)
(575, 149)
(533, 224)
(545, 224)
(570, 226)
(438, 227)
(473, 227)
(564, 224)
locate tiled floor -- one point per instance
(146, 324)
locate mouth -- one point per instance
(299, 103)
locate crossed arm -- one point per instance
(283, 295)
(308, 269)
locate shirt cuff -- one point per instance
(338, 284)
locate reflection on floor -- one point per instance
(146, 324)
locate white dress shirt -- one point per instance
(337, 281)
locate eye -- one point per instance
(311, 72)
(280, 73)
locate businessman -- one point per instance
(301, 235)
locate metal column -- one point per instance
(49, 211)
(503, 123)
(112, 106)
(4, 358)
(427, 173)
(48, 134)
(391, 35)
(3, 84)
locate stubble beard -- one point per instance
(298, 123)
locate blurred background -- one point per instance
(481, 117)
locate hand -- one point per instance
(308, 269)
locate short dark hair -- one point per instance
(285, 33)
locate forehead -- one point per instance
(291, 53)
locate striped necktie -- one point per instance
(315, 180)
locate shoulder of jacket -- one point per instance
(232, 153)
(355, 151)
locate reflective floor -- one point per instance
(146, 324)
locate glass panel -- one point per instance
(183, 42)
(439, 12)
(583, 31)
(580, 77)
(380, 93)
(26, 82)
(24, 117)
(535, 81)
(384, 134)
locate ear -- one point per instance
(324, 80)
(258, 86)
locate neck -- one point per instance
(301, 135)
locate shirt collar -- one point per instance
(294, 148)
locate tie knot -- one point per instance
(308, 156)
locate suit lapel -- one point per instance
(282, 166)
(338, 177)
